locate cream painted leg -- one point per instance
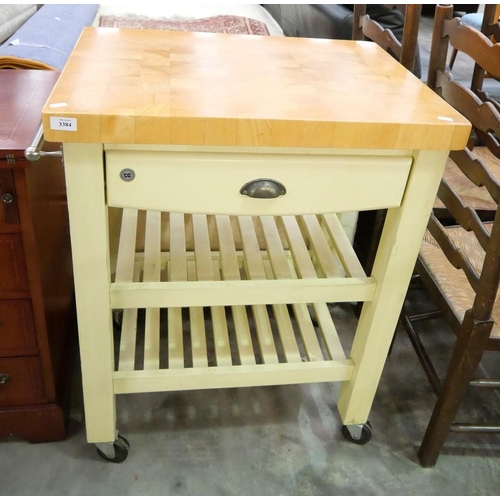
(396, 256)
(89, 241)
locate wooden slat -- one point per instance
(152, 270)
(126, 272)
(229, 260)
(126, 361)
(230, 271)
(329, 332)
(220, 328)
(175, 338)
(305, 312)
(177, 272)
(221, 336)
(243, 337)
(326, 260)
(198, 337)
(178, 269)
(287, 334)
(343, 246)
(256, 271)
(275, 250)
(205, 272)
(281, 270)
(301, 257)
(126, 248)
(307, 332)
(253, 258)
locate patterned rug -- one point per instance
(235, 25)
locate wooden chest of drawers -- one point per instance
(36, 297)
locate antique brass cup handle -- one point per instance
(263, 188)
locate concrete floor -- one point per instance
(272, 440)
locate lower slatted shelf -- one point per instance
(194, 291)
(199, 348)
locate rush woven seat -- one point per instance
(453, 282)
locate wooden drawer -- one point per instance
(17, 330)
(210, 183)
(13, 275)
(22, 381)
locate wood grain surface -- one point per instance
(22, 94)
(158, 87)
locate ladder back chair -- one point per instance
(459, 264)
(452, 32)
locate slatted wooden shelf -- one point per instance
(267, 324)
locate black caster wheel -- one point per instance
(366, 434)
(121, 446)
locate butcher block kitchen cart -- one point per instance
(206, 178)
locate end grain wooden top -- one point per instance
(136, 86)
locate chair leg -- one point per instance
(465, 358)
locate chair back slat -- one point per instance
(381, 36)
(404, 51)
(473, 43)
(482, 114)
(490, 20)
(490, 141)
(477, 172)
(466, 216)
(454, 254)
(484, 96)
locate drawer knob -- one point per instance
(263, 188)
(7, 198)
(127, 175)
(4, 378)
